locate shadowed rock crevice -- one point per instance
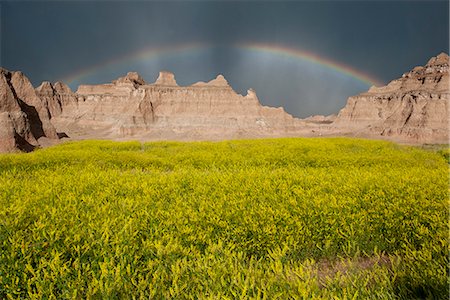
(22, 144)
(62, 135)
(35, 122)
(21, 114)
(30, 111)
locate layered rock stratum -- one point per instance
(412, 109)
(131, 108)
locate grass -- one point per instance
(258, 219)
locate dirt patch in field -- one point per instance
(326, 269)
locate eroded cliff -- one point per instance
(129, 107)
(24, 118)
(413, 108)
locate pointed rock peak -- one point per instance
(373, 89)
(251, 93)
(131, 77)
(62, 87)
(166, 78)
(18, 76)
(45, 86)
(219, 81)
(441, 59)
(135, 78)
(20, 81)
(8, 100)
(18, 73)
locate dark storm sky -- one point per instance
(53, 40)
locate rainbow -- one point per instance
(195, 48)
(313, 58)
(143, 54)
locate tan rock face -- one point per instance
(319, 119)
(210, 110)
(413, 108)
(131, 77)
(12, 121)
(56, 96)
(23, 117)
(166, 78)
(33, 106)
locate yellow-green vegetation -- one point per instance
(260, 219)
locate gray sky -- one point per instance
(307, 56)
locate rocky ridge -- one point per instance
(412, 109)
(129, 107)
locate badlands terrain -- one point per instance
(412, 109)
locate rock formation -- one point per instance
(413, 108)
(129, 107)
(166, 78)
(55, 97)
(24, 119)
(33, 106)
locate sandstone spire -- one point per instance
(131, 77)
(219, 81)
(166, 78)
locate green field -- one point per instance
(262, 219)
